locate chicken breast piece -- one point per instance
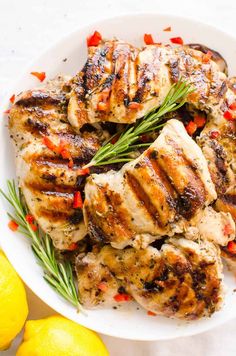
(46, 181)
(182, 280)
(120, 83)
(157, 194)
(208, 224)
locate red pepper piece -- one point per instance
(177, 40)
(94, 39)
(34, 227)
(40, 75)
(228, 115)
(13, 225)
(214, 134)
(29, 218)
(83, 171)
(12, 99)
(232, 247)
(151, 313)
(199, 120)
(233, 106)
(148, 39)
(73, 246)
(122, 297)
(191, 128)
(50, 145)
(7, 112)
(78, 203)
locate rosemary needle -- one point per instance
(59, 275)
(114, 153)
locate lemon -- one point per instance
(58, 336)
(13, 303)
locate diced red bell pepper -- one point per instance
(122, 297)
(78, 203)
(12, 99)
(177, 40)
(151, 313)
(40, 75)
(148, 39)
(94, 39)
(232, 247)
(191, 128)
(13, 225)
(199, 120)
(214, 134)
(29, 218)
(50, 145)
(83, 171)
(34, 227)
(233, 106)
(73, 246)
(228, 115)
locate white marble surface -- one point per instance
(29, 26)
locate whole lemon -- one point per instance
(13, 303)
(58, 336)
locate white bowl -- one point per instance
(127, 322)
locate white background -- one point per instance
(29, 26)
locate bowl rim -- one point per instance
(5, 103)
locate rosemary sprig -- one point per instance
(58, 275)
(119, 151)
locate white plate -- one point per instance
(128, 322)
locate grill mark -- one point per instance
(193, 196)
(142, 84)
(52, 189)
(37, 98)
(94, 69)
(37, 126)
(219, 159)
(143, 198)
(113, 200)
(228, 198)
(163, 179)
(55, 162)
(94, 230)
(54, 215)
(227, 203)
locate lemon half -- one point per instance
(58, 336)
(13, 303)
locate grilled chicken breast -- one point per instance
(157, 194)
(182, 280)
(120, 83)
(48, 184)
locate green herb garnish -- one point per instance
(59, 275)
(120, 151)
